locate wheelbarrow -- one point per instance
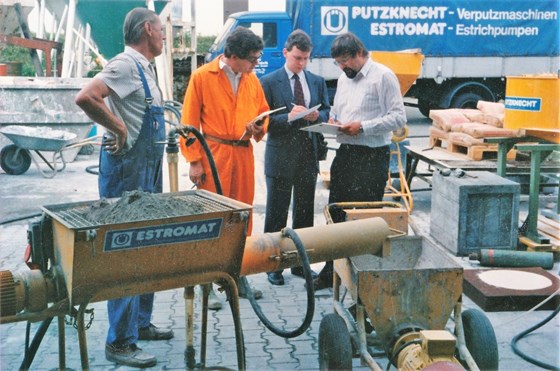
(402, 302)
(15, 159)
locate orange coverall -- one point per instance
(211, 107)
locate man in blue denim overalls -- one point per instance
(125, 99)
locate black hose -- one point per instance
(32, 350)
(290, 233)
(19, 218)
(189, 129)
(287, 232)
(90, 169)
(173, 110)
(518, 337)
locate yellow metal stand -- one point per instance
(404, 192)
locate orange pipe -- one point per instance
(272, 251)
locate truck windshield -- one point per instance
(221, 39)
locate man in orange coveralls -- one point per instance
(222, 99)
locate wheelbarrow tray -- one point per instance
(34, 138)
(416, 286)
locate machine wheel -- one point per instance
(14, 160)
(466, 100)
(335, 347)
(424, 106)
(480, 339)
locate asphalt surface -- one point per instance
(21, 196)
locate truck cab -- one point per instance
(272, 27)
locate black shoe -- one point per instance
(129, 355)
(154, 333)
(298, 271)
(275, 278)
(322, 282)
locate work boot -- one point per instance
(214, 301)
(129, 355)
(154, 333)
(298, 271)
(257, 294)
(275, 278)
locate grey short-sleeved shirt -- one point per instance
(127, 96)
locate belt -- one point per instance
(234, 143)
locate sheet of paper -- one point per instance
(260, 117)
(323, 128)
(305, 113)
(266, 113)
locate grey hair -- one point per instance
(134, 22)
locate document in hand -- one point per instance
(260, 117)
(323, 128)
(266, 113)
(304, 113)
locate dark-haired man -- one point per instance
(292, 155)
(222, 99)
(369, 106)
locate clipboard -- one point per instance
(323, 128)
(305, 113)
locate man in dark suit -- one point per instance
(292, 155)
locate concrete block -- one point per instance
(477, 211)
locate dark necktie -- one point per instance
(298, 92)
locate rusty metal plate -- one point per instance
(491, 296)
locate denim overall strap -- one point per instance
(141, 166)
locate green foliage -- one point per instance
(203, 42)
(18, 54)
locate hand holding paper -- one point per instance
(302, 114)
(256, 120)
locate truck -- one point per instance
(469, 46)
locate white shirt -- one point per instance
(233, 77)
(374, 98)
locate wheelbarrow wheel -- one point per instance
(335, 347)
(14, 160)
(480, 339)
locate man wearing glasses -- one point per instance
(368, 105)
(222, 99)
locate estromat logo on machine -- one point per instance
(334, 20)
(523, 104)
(162, 234)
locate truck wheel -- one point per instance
(14, 160)
(466, 100)
(480, 339)
(424, 106)
(335, 347)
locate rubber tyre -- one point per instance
(14, 160)
(335, 347)
(466, 100)
(480, 339)
(424, 106)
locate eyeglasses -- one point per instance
(253, 60)
(341, 61)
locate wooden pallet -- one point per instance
(550, 229)
(438, 141)
(476, 152)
